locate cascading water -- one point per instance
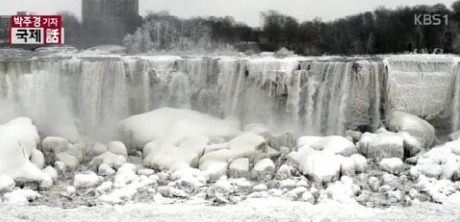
(322, 96)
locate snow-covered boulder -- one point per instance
(392, 165)
(283, 173)
(343, 191)
(38, 159)
(239, 168)
(347, 166)
(18, 141)
(382, 144)
(263, 170)
(6, 183)
(354, 135)
(454, 136)
(86, 180)
(374, 184)
(169, 126)
(21, 196)
(109, 158)
(331, 144)
(360, 163)
(412, 145)
(52, 146)
(58, 148)
(441, 162)
(419, 128)
(246, 145)
(51, 172)
(105, 170)
(118, 148)
(321, 166)
(189, 179)
(172, 156)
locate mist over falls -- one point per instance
(68, 96)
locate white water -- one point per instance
(309, 95)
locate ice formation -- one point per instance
(18, 142)
(224, 129)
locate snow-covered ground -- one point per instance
(264, 209)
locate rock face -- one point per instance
(382, 144)
(423, 131)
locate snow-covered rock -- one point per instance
(239, 168)
(392, 165)
(104, 188)
(360, 163)
(125, 175)
(354, 135)
(382, 144)
(263, 170)
(118, 148)
(374, 184)
(60, 167)
(18, 140)
(173, 156)
(21, 196)
(412, 146)
(307, 197)
(419, 128)
(38, 159)
(6, 183)
(86, 180)
(321, 166)
(105, 170)
(342, 191)
(331, 144)
(454, 135)
(260, 188)
(189, 179)
(70, 191)
(247, 145)
(441, 161)
(283, 173)
(146, 172)
(54, 145)
(51, 172)
(287, 184)
(111, 159)
(169, 126)
(347, 166)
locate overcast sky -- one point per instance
(247, 11)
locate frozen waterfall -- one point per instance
(314, 95)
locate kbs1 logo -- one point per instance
(431, 19)
(36, 29)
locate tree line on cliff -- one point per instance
(374, 32)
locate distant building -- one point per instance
(5, 22)
(108, 21)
